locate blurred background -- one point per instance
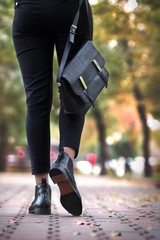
(121, 137)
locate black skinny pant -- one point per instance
(38, 25)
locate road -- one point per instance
(113, 209)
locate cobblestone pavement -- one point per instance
(113, 209)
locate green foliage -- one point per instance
(12, 101)
(56, 101)
(123, 148)
(152, 74)
(135, 56)
(154, 5)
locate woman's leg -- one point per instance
(71, 126)
(70, 133)
(70, 151)
(38, 88)
(34, 50)
(38, 178)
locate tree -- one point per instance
(131, 34)
(11, 97)
(101, 127)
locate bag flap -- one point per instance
(80, 63)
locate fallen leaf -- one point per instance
(139, 209)
(94, 234)
(146, 204)
(131, 206)
(11, 221)
(109, 209)
(124, 222)
(38, 221)
(137, 218)
(97, 224)
(149, 228)
(116, 234)
(76, 233)
(80, 223)
(152, 211)
(114, 214)
(5, 229)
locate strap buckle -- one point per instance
(72, 33)
(73, 29)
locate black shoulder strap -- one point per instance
(69, 43)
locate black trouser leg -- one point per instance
(71, 126)
(36, 67)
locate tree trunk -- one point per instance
(146, 132)
(103, 151)
(140, 107)
(3, 144)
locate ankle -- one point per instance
(70, 151)
(38, 178)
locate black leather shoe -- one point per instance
(42, 202)
(61, 173)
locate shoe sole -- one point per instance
(41, 211)
(69, 199)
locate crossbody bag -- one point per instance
(84, 77)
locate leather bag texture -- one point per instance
(82, 80)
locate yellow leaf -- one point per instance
(76, 233)
(116, 234)
(131, 206)
(94, 234)
(11, 221)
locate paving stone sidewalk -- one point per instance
(113, 209)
